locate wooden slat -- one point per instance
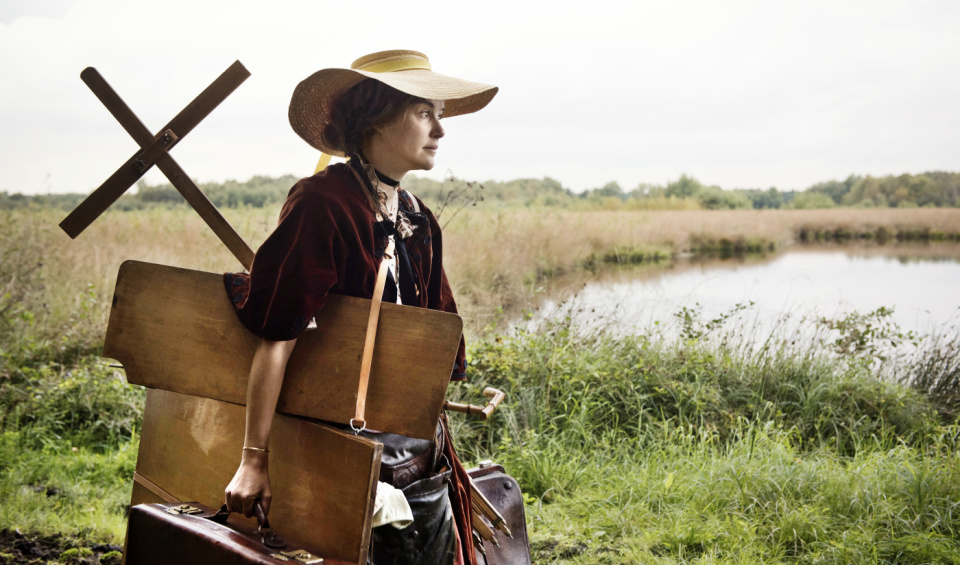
(323, 480)
(211, 97)
(175, 329)
(100, 199)
(184, 122)
(207, 211)
(116, 106)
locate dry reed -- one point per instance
(497, 261)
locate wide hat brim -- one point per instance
(313, 99)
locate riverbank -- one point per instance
(505, 259)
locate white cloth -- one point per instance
(391, 507)
(390, 199)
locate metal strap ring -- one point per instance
(356, 430)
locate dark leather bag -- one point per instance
(430, 539)
(187, 534)
(504, 495)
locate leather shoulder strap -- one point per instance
(358, 422)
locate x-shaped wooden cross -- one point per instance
(154, 150)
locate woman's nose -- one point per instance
(437, 130)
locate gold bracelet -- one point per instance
(257, 449)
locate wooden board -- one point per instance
(323, 480)
(175, 329)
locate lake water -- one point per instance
(921, 284)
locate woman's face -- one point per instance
(410, 142)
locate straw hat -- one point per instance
(407, 71)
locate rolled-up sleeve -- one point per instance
(292, 272)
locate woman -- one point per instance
(384, 115)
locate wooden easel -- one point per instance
(155, 151)
(175, 332)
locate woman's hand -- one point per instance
(250, 483)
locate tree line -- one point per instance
(929, 189)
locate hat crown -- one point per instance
(314, 100)
(392, 61)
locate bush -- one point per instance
(88, 404)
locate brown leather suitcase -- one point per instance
(188, 534)
(504, 494)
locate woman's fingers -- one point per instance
(265, 503)
(248, 485)
(248, 506)
(230, 497)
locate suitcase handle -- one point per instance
(269, 537)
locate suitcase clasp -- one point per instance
(184, 509)
(303, 556)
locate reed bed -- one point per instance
(499, 261)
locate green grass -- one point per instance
(689, 500)
(667, 447)
(641, 449)
(656, 450)
(68, 447)
(65, 488)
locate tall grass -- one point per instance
(657, 449)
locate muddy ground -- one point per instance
(17, 548)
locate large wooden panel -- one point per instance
(323, 480)
(175, 329)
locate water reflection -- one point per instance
(921, 283)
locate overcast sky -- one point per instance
(736, 93)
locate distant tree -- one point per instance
(715, 198)
(836, 190)
(611, 189)
(763, 199)
(684, 187)
(160, 193)
(646, 190)
(810, 200)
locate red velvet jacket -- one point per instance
(327, 241)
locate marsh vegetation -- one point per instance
(666, 446)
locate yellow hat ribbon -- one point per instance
(390, 66)
(322, 163)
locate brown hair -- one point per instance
(366, 106)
